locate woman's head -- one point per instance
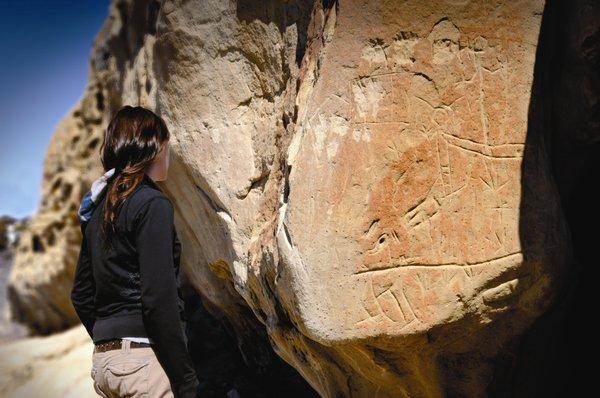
(136, 142)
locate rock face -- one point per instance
(362, 185)
(45, 257)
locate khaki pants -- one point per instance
(129, 372)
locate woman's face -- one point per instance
(160, 166)
(167, 156)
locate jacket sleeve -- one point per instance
(154, 234)
(84, 288)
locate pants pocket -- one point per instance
(94, 373)
(128, 377)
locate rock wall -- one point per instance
(45, 258)
(363, 186)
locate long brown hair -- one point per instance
(133, 138)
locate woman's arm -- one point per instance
(84, 288)
(160, 309)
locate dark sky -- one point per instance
(44, 53)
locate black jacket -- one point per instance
(133, 288)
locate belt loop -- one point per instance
(125, 345)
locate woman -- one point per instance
(126, 291)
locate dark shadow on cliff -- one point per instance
(552, 358)
(220, 366)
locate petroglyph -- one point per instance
(410, 220)
(444, 36)
(398, 53)
(403, 294)
(367, 94)
(447, 169)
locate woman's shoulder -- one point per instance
(142, 197)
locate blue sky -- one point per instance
(45, 47)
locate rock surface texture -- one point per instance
(365, 186)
